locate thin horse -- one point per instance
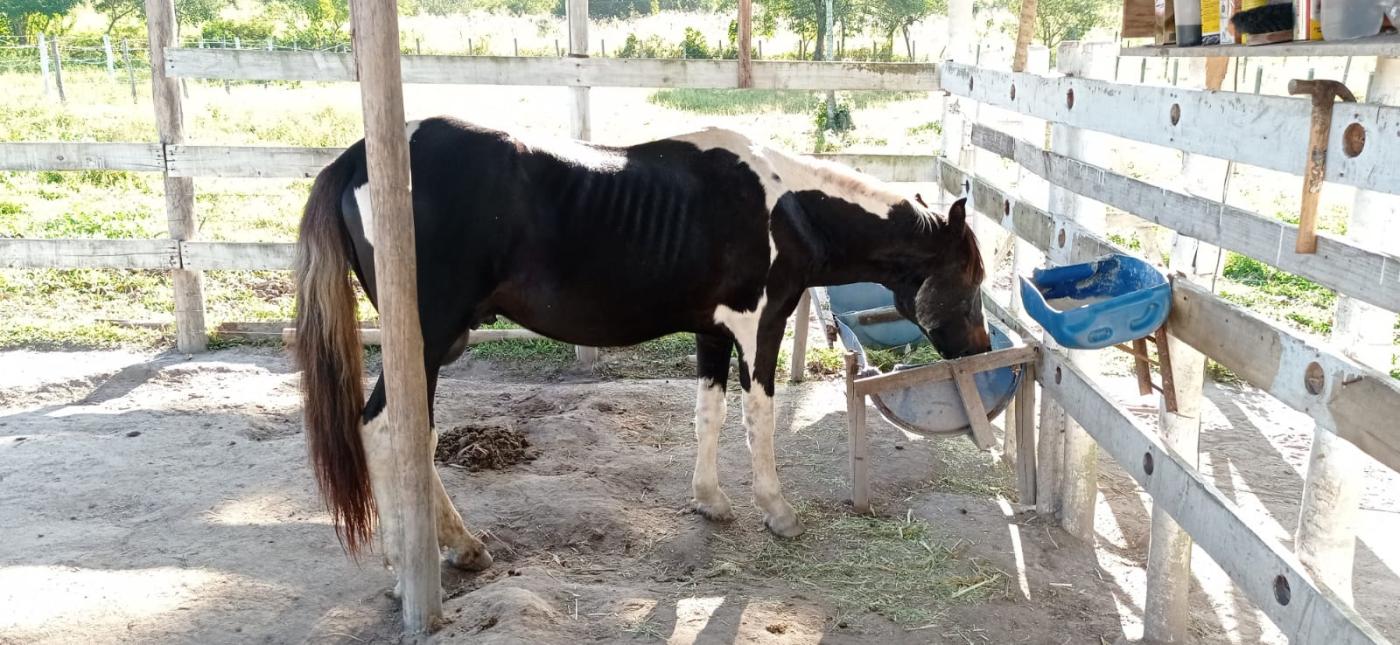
(707, 233)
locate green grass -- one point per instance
(1271, 281)
(720, 101)
(898, 568)
(886, 359)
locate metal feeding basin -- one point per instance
(929, 408)
(1114, 299)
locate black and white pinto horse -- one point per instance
(708, 233)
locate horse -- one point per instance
(707, 233)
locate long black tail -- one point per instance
(328, 349)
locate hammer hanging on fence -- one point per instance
(1323, 93)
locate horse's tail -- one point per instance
(328, 349)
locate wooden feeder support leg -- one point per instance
(411, 497)
(859, 447)
(1323, 93)
(1142, 367)
(801, 323)
(982, 433)
(1025, 435)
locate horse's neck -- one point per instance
(859, 246)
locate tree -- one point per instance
(25, 16)
(890, 16)
(1058, 20)
(808, 18)
(187, 12)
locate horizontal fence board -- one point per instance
(1266, 131)
(68, 155)
(262, 65)
(1257, 564)
(1357, 403)
(1354, 402)
(248, 161)
(280, 161)
(895, 168)
(89, 254)
(1368, 275)
(205, 256)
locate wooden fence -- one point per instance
(1346, 399)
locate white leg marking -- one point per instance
(362, 204)
(743, 325)
(379, 460)
(767, 491)
(710, 405)
(462, 549)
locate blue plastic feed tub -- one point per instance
(1112, 300)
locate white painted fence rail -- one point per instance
(296, 162)
(1266, 131)
(1369, 275)
(231, 64)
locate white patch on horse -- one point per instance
(780, 173)
(767, 490)
(379, 461)
(572, 151)
(743, 325)
(366, 208)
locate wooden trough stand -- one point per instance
(1021, 356)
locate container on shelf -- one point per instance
(1114, 299)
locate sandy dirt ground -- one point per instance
(166, 499)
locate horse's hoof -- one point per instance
(480, 560)
(715, 512)
(787, 525)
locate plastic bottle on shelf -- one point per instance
(1347, 19)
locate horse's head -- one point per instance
(941, 291)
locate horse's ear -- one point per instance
(957, 215)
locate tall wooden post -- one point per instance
(1078, 485)
(1326, 536)
(190, 335)
(130, 74)
(57, 57)
(375, 32)
(1025, 30)
(1166, 616)
(582, 123)
(745, 43)
(1020, 424)
(111, 63)
(44, 61)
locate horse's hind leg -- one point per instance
(712, 367)
(461, 548)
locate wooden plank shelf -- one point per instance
(1380, 45)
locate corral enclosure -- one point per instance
(599, 551)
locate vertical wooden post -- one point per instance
(1166, 616)
(1079, 474)
(801, 323)
(1020, 449)
(1326, 535)
(111, 63)
(130, 74)
(190, 335)
(745, 43)
(959, 50)
(858, 445)
(57, 57)
(375, 33)
(44, 61)
(582, 123)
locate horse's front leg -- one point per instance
(761, 362)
